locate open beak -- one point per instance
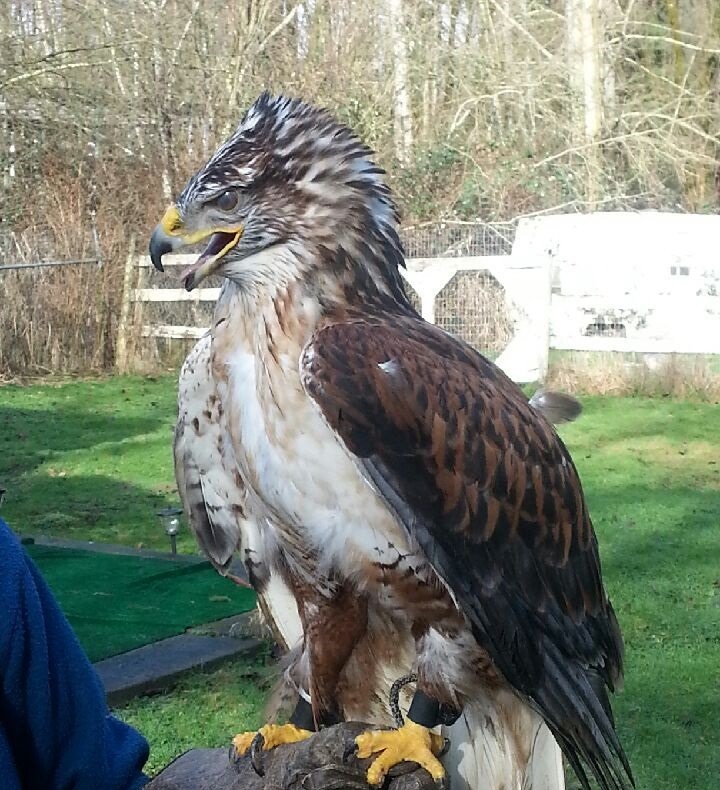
(170, 235)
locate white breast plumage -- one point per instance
(288, 457)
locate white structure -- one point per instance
(523, 279)
(525, 358)
(645, 282)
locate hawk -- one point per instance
(420, 510)
(214, 498)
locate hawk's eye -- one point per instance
(227, 200)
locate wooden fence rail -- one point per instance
(620, 282)
(444, 290)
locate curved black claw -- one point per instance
(350, 751)
(257, 754)
(234, 757)
(438, 784)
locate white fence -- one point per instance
(490, 301)
(645, 282)
(633, 282)
(515, 318)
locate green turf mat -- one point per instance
(116, 603)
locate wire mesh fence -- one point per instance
(58, 308)
(458, 240)
(57, 319)
(61, 315)
(474, 306)
(27, 247)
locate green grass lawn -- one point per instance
(92, 460)
(651, 471)
(117, 602)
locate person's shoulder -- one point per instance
(14, 577)
(12, 554)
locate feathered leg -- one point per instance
(334, 620)
(433, 704)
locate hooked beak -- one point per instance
(170, 235)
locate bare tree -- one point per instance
(403, 104)
(585, 69)
(494, 107)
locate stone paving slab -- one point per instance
(111, 548)
(158, 666)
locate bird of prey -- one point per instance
(214, 498)
(419, 509)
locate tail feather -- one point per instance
(578, 718)
(557, 407)
(600, 690)
(499, 743)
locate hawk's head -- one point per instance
(290, 190)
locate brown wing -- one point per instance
(488, 490)
(212, 497)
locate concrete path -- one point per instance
(158, 666)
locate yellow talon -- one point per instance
(241, 742)
(412, 742)
(273, 735)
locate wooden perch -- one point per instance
(324, 762)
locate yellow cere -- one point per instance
(171, 222)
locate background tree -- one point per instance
(479, 109)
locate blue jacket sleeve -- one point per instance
(56, 731)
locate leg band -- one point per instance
(302, 717)
(426, 711)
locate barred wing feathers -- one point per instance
(213, 499)
(485, 486)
